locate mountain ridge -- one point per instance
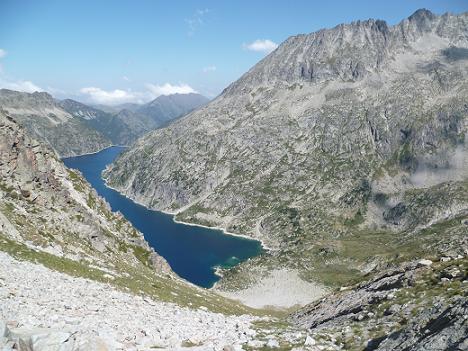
(45, 118)
(124, 125)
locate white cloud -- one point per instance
(261, 45)
(168, 89)
(119, 96)
(111, 97)
(209, 69)
(19, 85)
(125, 78)
(196, 21)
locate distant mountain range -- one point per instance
(127, 122)
(73, 128)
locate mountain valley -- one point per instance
(343, 152)
(337, 150)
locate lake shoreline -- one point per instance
(174, 213)
(94, 152)
(195, 259)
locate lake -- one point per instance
(193, 252)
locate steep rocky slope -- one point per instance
(48, 121)
(338, 150)
(50, 208)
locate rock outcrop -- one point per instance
(410, 307)
(50, 208)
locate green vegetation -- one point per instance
(76, 180)
(91, 202)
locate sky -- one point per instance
(112, 52)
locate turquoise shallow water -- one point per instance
(193, 252)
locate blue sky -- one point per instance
(126, 51)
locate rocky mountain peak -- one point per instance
(80, 110)
(178, 98)
(422, 16)
(42, 95)
(348, 52)
(165, 108)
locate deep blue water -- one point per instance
(193, 252)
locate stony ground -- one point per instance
(264, 294)
(88, 314)
(419, 305)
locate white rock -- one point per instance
(93, 343)
(272, 343)
(3, 329)
(424, 263)
(118, 319)
(256, 344)
(309, 341)
(42, 339)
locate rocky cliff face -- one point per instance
(338, 149)
(48, 121)
(50, 208)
